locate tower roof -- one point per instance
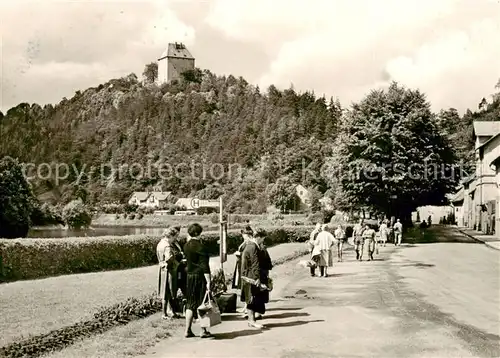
(176, 50)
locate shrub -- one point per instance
(117, 217)
(139, 216)
(76, 215)
(131, 216)
(237, 219)
(37, 258)
(214, 218)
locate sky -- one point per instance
(449, 49)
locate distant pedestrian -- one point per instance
(323, 250)
(198, 278)
(398, 233)
(358, 238)
(340, 238)
(384, 232)
(368, 242)
(310, 243)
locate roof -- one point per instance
(176, 50)
(161, 195)
(486, 128)
(459, 196)
(141, 195)
(489, 140)
(184, 202)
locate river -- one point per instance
(94, 231)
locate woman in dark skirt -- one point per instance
(255, 277)
(198, 277)
(247, 234)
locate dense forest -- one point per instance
(257, 138)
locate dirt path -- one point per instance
(364, 309)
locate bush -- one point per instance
(28, 259)
(46, 214)
(76, 215)
(131, 216)
(139, 216)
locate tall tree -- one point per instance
(391, 155)
(150, 73)
(16, 200)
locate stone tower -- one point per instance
(174, 60)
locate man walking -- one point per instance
(368, 242)
(398, 233)
(358, 239)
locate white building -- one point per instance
(149, 199)
(175, 60)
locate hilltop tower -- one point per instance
(174, 60)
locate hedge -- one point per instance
(26, 259)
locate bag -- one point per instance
(208, 312)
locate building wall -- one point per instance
(486, 187)
(163, 71)
(176, 66)
(497, 214)
(436, 212)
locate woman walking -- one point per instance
(384, 232)
(312, 239)
(198, 278)
(170, 256)
(247, 234)
(340, 238)
(255, 275)
(323, 250)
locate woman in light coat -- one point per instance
(170, 257)
(323, 250)
(311, 245)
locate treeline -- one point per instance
(207, 121)
(275, 138)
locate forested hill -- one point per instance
(204, 119)
(209, 121)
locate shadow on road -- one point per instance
(284, 309)
(287, 315)
(292, 324)
(236, 334)
(335, 275)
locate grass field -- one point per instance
(39, 306)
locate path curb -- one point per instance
(478, 240)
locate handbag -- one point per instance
(209, 312)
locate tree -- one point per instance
(282, 193)
(76, 215)
(315, 197)
(391, 154)
(150, 73)
(16, 200)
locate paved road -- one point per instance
(429, 300)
